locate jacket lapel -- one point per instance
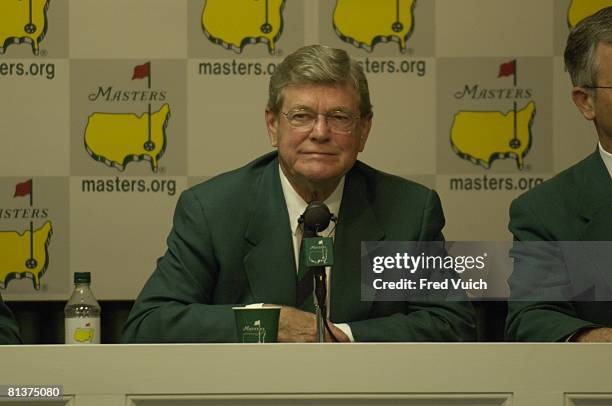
(270, 264)
(357, 222)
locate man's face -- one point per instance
(320, 155)
(596, 104)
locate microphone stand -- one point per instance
(317, 217)
(320, 291)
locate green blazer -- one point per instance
(231, 245)
(575, 205)
(9, 333)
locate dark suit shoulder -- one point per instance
(235, 184)
(554, 204)
(230, 195)
(401, 204)
(384, 184)
(563, 188)
(560, 187)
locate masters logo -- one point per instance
(481, 137)
(116, 139)
(579, 9)
(365, 23)
(25, 254)
(234, 24)
(23, 21)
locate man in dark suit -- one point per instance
(236, 237)
(575, 205)
(9, 333)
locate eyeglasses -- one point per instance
(338, 121)
(598, 87)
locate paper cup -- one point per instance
(257, 324)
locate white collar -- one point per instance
(296, 205)
(607, 158)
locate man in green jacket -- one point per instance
(235, 238)
(575, 205)
(9, 333)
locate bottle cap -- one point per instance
(82, 277)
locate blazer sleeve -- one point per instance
(9, 332)
(452, 319)
(539, 273)
(175, 304)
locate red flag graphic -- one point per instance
(142, 71)
(23, 189)
(507, 69)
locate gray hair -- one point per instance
(581, 43)
(318, 65)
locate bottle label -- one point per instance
(82, 330)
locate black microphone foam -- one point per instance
(316, 217)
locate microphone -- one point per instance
(316, 218)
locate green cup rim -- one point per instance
(256, 308)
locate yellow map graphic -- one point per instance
(234, 24)
(17, 26)
(83, 335)
(483, 136)
(16, 260)
(579, 9)
(118, 138)
(364, 23)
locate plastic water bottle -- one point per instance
(82, 313)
